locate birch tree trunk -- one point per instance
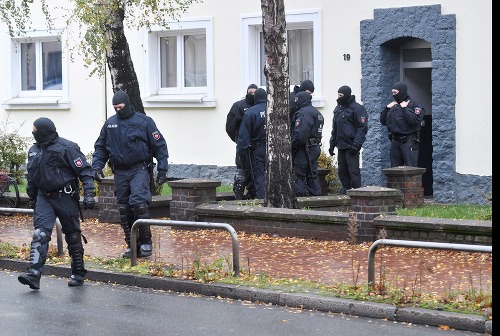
(279, 181)
(119, 61)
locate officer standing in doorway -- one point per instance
(403, 118)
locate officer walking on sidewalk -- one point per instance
(54, 167)
(129, 140)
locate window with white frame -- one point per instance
(178, 65)
(38, 74)
(304, 50)
(300, 56)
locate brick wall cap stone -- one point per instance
(194, 183)
(374, 191)
(404, 170)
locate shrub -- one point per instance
(327, 161)
(13, 149)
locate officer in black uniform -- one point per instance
(403, 118)
(129, 140)
(242, 179)
(252, 139)
(55, 167)
(350, 125)
(305, 86)
(306, 145)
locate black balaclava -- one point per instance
(342, 101)
(250, 97)
(121, 97)
(302, 99)
(403, 92)
(306, 85)
(260, 95)
(45, 131)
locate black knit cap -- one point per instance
(403, 91)
(345, 90)
(252, 86)
(307, 85)
(302, 99)
(401, 87)
(45, 131)
(260, 94)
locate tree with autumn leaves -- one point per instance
(103, 43)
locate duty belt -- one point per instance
(69, 189)
(132, 166)
(313, 141)
(400, 137)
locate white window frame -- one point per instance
(37, 99)
(154, 95)
(251, 26)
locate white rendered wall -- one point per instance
(197, 135)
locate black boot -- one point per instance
(38, 254)
(125, 218)
(75, 249)
(145, 245)
(30, 278)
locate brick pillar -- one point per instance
(409, 181)
(366, 204)
(106, 202)
(187, 194)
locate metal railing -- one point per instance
(60, 246)
(157, 222)
(417, 244)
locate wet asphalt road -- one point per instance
(105, 309)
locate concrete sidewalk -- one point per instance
(466, 322)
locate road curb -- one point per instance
(458, 321)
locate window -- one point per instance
(49, 67)
(38, 74)
(304, 50)
(178, 63)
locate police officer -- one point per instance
(305, 86)
(251, 144)
(129, 140)
(242, 179)
(55, 167)
(403, 118)
(306, 145)
(350, 125)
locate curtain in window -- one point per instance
(52, 65)
(168, 61)
(28, 66)
(300, 55)
(195, 61)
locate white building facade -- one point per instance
(191, 74)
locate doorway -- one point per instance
(416, 72)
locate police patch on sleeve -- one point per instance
(297, 122)
(78, 162)
(362, 120)
(156, 135)
(417, 110)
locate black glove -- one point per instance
(88, 201)
(161, 177)
(32, 203)
(330, 150)
(98, 175)
(353, 150)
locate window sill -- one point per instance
(36, 103)
(180, 100)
